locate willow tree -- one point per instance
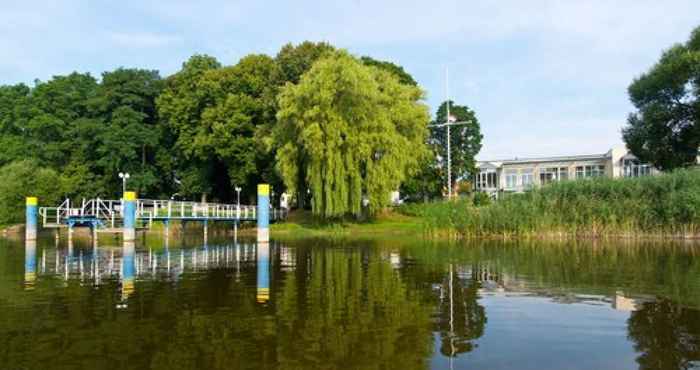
(348, 131)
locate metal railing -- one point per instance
(110, 212)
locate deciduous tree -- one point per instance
(347, 131)
(465, 140)
(665, 129)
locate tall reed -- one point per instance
(664, 204)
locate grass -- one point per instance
(665, 205)
(302, 224)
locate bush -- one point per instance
(481, 199)
(21, 179)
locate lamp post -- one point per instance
(124, 176)
(238, 197)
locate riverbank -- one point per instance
(301, 224)
(664, 206)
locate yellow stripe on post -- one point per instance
(130, 195)
(263, 189)
(32, 201)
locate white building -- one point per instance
(519, 174)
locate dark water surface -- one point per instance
(329, 304)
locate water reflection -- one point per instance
(128, 269)
(331, 304)
(667, 335)
(461, 318)
(263, 282)
(30, 264)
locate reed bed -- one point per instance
(664, 205)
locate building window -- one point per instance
(486, 179)
(563, 174)
(527, 178)
(551, 174)
(548, 175)
(590, 171)
(632, 168)
(511, 179)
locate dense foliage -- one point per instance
(465, 139)
(204, 130)
(20, 178)
(665, 130)
(668, 203)
(349, 130)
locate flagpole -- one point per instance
(449, 137)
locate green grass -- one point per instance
(301, 224)
(665, 205)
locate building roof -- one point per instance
(567, 158)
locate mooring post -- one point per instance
(32, 218)
(263, 213)
(129, 228)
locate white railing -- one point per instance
(159, 209)
(111, 211)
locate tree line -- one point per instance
(337, 131)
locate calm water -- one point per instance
(332, 304)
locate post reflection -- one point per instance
(128, 270)
(263, 272)
(29, 264)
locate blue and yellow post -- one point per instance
(263, 214)
(32, 218)
(129, 229)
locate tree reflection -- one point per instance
(351, 311)
(666, 334)
(461, 318)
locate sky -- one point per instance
(544, 77)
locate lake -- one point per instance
(349, 304)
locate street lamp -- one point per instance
(124, 176)
(238, 197)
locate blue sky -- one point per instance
(544, 77)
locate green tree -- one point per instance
(403, 76)
(465, 140)
(126, 104)
(348, 131)
(21, 179)
(294, 61)
(54, 106)
(665, 129)
(14, 106)
(180, 106)
(215, 114)
(426, 183)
